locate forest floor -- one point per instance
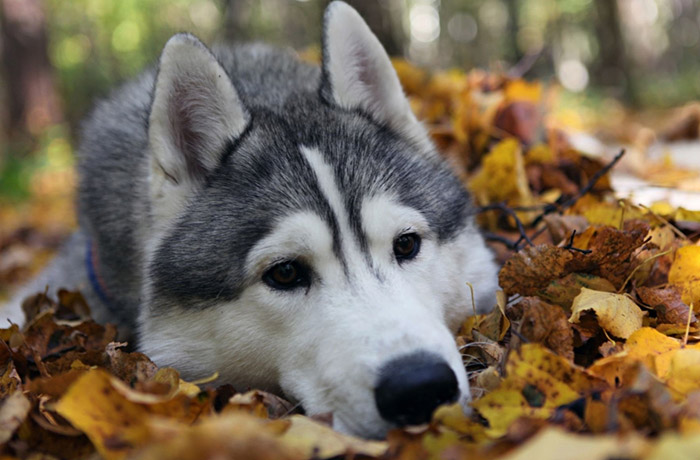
(592, 351)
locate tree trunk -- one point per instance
(32, 100)
(612, 69)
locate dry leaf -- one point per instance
(547, 324)
(685, 273)
(555, 444)
(668, 305)
(316, 439)
(616, 313)
(13, 412)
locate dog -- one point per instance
(289, 226)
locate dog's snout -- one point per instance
(411, 387)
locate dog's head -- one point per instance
(305, 235)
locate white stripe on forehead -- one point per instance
(330, 190)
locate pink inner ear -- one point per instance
(192, 106)
(367, 74)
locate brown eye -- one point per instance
(287, 275)
(406, 246)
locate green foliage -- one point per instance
(95, 44)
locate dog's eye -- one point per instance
(287, 275)
(406, 246)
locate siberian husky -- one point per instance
(289, 226)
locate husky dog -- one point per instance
(290, 227)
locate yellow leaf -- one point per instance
(412, 78)
(452, 417)
(685, 273)
(502, 407)
(114, 416)
(662, 208)
(540, 153)
(687, 215)
(233, 436)
(538, 381)
(684, 372)
(502, 175)
(321, 441)
(554, 443)
(114, 424)
(521, 90)
(616, 313)
(648, 341)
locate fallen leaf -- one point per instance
(616, 313)
(564, 290)
(685, 273)
(668, 305)
(547, 324)
(13, 412)
(115, 417)
(532, 269)
(555, 444)
(537, 382)
(502, 175)
(316, 439)
(232, 436)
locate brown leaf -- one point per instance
(547, 324)
(561, 227)
(667, 303)
(72, 305)
(129, 367)
(521, 119)
(533, 268)
(564, 290)
(612, 249)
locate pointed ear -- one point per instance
(195, 113)
(357, 71)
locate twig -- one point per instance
(586, 188)
(546, 209)
(570, 245)
(519, 224)
(512, 245)
(648, 259)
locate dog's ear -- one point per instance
(357, 72)
(195, 113)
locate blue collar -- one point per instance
(96, 281)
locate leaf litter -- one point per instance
(593, 351)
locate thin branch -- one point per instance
(512, 245)
(570, 245)
(584, 190)
(506, 210)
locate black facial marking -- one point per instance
(264, 177)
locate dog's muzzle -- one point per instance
(411, 387)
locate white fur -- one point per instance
(325, 345)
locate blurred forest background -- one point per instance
(59, 55)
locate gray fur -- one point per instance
(179, 229)
(262, 176)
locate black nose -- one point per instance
(411, 387)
